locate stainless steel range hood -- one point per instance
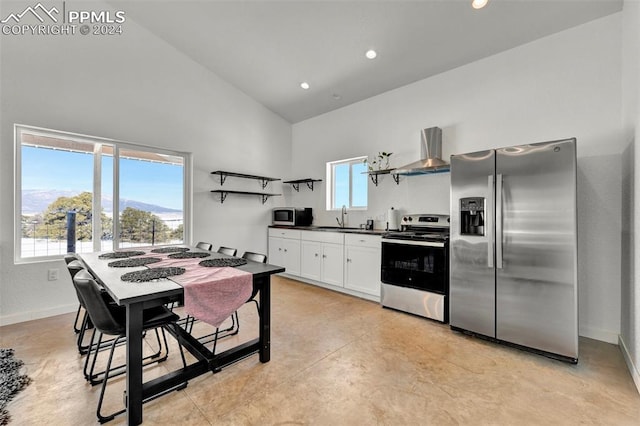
(430, 155)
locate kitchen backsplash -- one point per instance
(414, 194)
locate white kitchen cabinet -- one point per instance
(362, 263)
(284, 249)
(346, 262)
(311, 260)
(322, 257)
(332, 264)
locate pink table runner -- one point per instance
(210, 294)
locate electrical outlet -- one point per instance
(53, 274)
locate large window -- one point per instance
(347, 184)
(83, 194)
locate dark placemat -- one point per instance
(222, 262)
(121, 254)
(136, 261)
(189, 255)
(152, 274)
(170, 250)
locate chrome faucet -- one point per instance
(343, 213)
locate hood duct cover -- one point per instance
(430, 155)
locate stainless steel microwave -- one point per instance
(292, 216)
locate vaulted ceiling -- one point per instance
(267, 48)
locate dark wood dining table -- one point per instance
(136, 297)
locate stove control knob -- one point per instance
(410, 219)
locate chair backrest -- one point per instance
(256, 257)
(74, 267)
(70, 257)
(102, 316)
(228, 250)
(204, 246)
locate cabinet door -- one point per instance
(362, 271)
(275, 251)
(333, 264)
(291, 256)
(311, 260)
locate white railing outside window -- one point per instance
(63, 180)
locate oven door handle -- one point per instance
(413, 243)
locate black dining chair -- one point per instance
(190, 321)
(227, 250)
(204, 246)
(109, 320)
(235, 319)
(234, 328)
(75, 266)
(255, 257)
(68, 258)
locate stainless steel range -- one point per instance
(415, 266)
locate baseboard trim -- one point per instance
(633, 369)
(34, 315)
(331, 287)
(599, 334)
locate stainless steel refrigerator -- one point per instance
(513, 247)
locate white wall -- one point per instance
(630, 265)
(565, 85)
(134, 88)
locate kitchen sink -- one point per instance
(335, 228)
(346, 229)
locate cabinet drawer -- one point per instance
(285, 233)
(322, 236)
(362, 240)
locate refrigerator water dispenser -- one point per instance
(472, 216)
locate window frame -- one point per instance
(331, 187)
(98, 142)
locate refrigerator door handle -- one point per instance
(488, 221)
(498, 221)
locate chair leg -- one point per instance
(235, 324)
(108, 374)
(95, 378)
(85, 370)
(215, 342)
(89, 375)
(176, 326)
(83, 349)
(76, 329)
(101, 418)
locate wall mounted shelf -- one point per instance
(296, 183)
(223, 176)
(373, 174)
(223, 194)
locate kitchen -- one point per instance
(581, 82)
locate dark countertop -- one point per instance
(346, 230)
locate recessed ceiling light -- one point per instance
(305, 85)
(371, 54)
(479, 4)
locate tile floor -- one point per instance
(339, 360)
